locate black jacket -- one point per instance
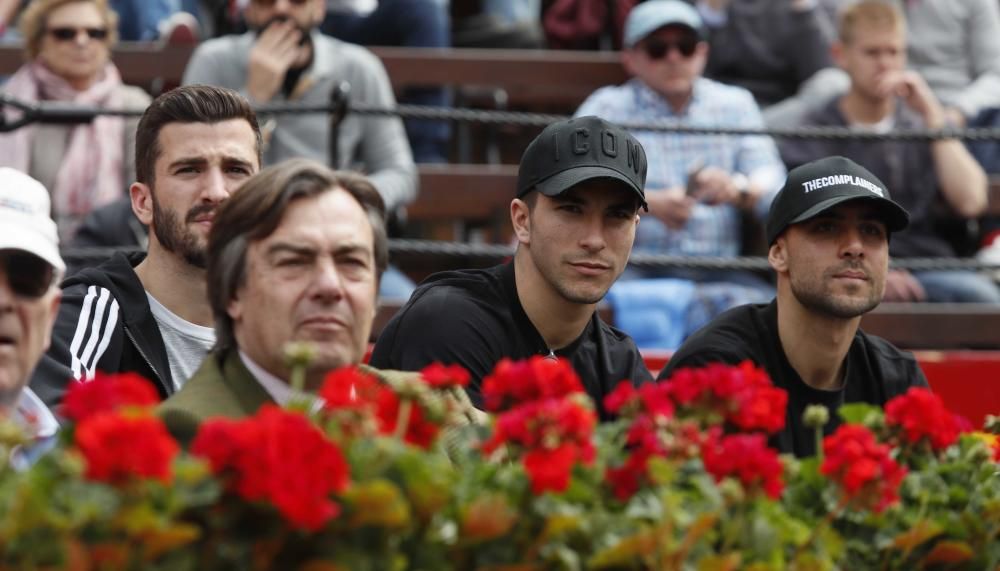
(104, 324)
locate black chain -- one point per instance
(48, 112)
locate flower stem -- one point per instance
(403, 419)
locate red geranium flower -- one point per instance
(349, 388)
(862, 467)
(419, 430)
(921, 414)
(554, 435)
(440, 376)
(742, 395)
(747, 457)
(105, 393)
(118, 447)
(279, 457)
(515, 382)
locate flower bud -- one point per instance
(816, 416)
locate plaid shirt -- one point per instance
(711, 230)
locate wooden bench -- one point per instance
(564, 77)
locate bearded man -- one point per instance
(828, 231)
(149, 313)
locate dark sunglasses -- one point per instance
(28, 275)
(270, 3)
(656, 48)
(66, 34)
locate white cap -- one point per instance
(25, 220)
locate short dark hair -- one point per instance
(256, 209)
(187, 104)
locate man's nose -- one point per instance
(216, 189)
(327, 282)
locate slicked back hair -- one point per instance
(255, 211)
(188, 104)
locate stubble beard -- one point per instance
(176, 238)
(823, 301)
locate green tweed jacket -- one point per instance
(222, 386)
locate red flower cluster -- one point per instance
(105, 393)
(921, 414)
(649, 406)
(440, 376)
(280, 457)
(747, 457)
(536, 378)
(363, 397)
(650, 399)
(550, 419)
(420, 431)
(743, 395)
(118, 447)
(862, 467)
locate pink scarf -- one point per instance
(91, 171)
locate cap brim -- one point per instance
(31, 241)
(895, 217)
(561, 182)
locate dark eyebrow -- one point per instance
(282, 247)
(202, 161)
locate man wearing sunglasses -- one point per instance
(699, 187)
(30, 268)
(149, 313)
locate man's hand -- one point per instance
(276, 50)
(912, 88)
(672, 206)
(713, 185)
(900, 285)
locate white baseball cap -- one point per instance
(25, 220)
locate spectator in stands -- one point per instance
(579, 189)
(158, 20)
(84, 166)
(294, 256)
(284, 58)
(828, 231)
(406, 23)
(700, 187)
(511, 24)
(30, 268)
(929, 179)
(149, 314)
(954, 46)
(751, 44)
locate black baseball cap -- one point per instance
(572, 151)
(822, 184)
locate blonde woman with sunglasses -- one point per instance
(67, 47)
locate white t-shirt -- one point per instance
(186, 343)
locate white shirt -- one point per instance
(38, 423)
(186, 343)
(280, 391)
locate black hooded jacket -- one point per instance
(104, 324)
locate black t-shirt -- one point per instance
(474, 318)
(876, 371)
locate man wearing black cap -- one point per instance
(828, 231)
(580, 186)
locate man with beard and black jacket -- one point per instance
(828, 231)
(149, 313)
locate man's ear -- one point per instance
(142, 202)
(520, 218)
(777, 255)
